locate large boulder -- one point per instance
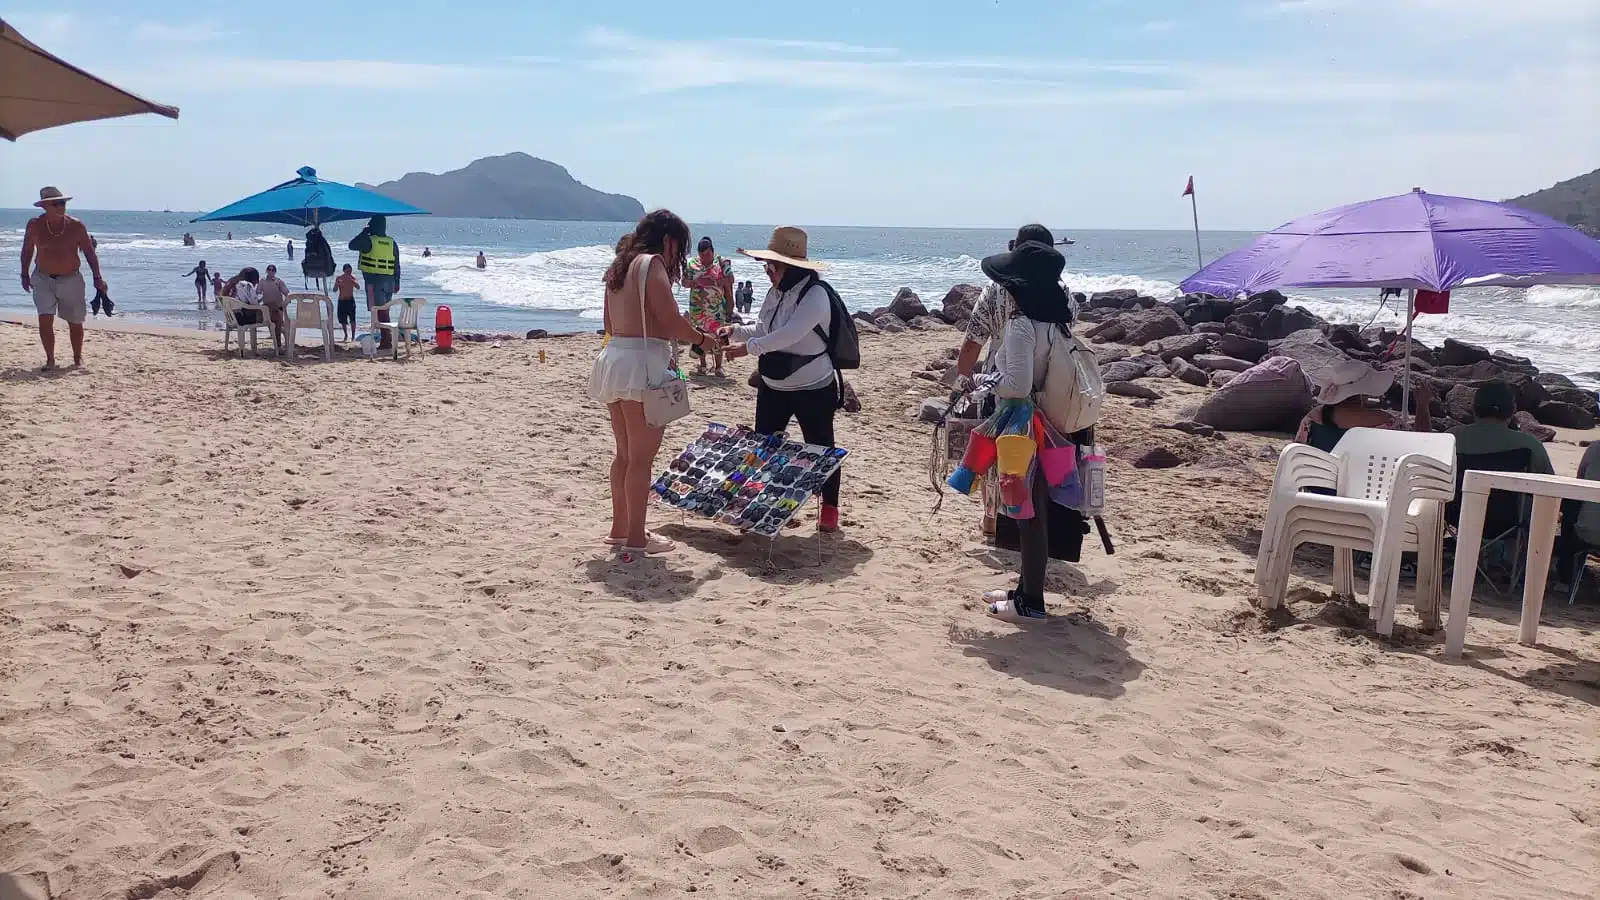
(1482, 370)
(1181, 346)
(1131, 389)
(1578, 397)
(866, 326)
(1247, 324)
(1527, 423)
(927, 323)
(1261, 303)
(1124, 370)
(1188, 373)
(1210, 328)
(890, 324)
(1460, 353)
(1213, 363)
(1283, 321)
(1221, 379)
(1513, 363)
(958, 301)
(1458, 402)
(907, 305)
(1320, 361)
(1153, 325)
(1108, 355)
(1564, 415)
(1203, 310)
(1249, 349)
(1553, 380)
(1112, 299)
(1096, 316)
(1270, 396)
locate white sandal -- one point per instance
(654, 546)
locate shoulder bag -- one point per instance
(667, 400)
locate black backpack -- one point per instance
(843, 343)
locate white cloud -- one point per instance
(48, 30)
(884, 85)
(225, 74)
(187, 33)
(1452, 16)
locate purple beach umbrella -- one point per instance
(1416, 240)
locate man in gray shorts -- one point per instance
(56, 282)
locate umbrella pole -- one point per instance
(1405, 383)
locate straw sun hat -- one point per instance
(787, 246)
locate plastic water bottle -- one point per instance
(1092, 474)
(369, 347)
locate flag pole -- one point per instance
(1193, 208)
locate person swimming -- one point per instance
(483, 262)
(426, 252)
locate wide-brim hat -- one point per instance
(50, 195)
(1333, 384)
(1031, 261)
(787, 246)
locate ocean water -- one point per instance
(547, 274)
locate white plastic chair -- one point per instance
(1389, 488)
(311, 313)
(403, 328)
(230, 324)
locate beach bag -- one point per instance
(1073, 392)
(666, 401)
(318, 259)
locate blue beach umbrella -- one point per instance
(309, 201)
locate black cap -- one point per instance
(705, 243)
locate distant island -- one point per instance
(513, 186)
(1575, 201)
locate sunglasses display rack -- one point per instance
(754, 482)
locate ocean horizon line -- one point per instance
(1064, 228)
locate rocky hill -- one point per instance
(1575, 201)
(513, 186)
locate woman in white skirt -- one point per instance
(638, 354)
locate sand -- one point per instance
(347, 630)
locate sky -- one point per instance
(1080, 113)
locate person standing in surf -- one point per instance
(202, 280)
(710, 283)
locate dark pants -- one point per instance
(814, 409)
(1035, 539)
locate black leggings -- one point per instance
(1034, 535)
(814, 409)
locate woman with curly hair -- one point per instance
(639, 354)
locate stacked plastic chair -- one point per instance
(1379, 491)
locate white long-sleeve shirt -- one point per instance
(1022, 359)
(788, 322)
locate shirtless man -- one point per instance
(55, 281)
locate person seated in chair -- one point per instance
(1494, 431)
(1342, 393)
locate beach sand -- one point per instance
(347, 630)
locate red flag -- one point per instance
(1435, 302)
(1189, 191)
